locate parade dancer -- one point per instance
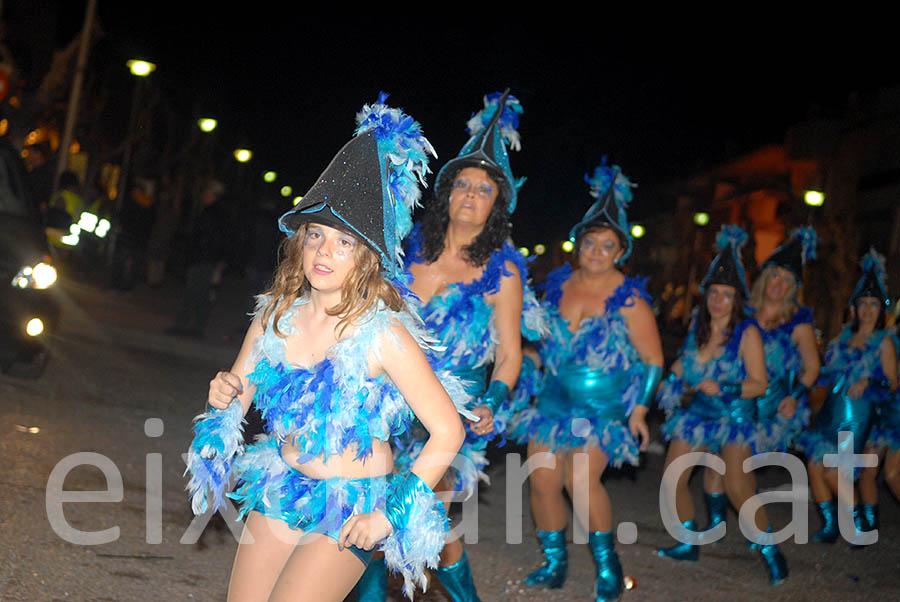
(602, 361)
(792, 359)
(860, 371)
(337, 363)
(472, 285)
(722, 370)
(884, 441)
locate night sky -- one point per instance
(660, 100)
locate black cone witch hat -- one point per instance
(372, 185)
(726, 266)
(492, 129)
(873, 282)
(793, 254)
(612, 189)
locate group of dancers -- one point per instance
(386, 356)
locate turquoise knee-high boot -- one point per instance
(610, 580)
(552, 573)
(682, 551)
(870, 513)
(776, 565)
(716, 508)
(829, 531)
(457, 580)
(372, 586)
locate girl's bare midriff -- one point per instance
(345, 465)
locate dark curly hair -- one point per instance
(704, 329)
(436, 218)
(879, 323)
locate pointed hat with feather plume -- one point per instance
(492, 131)
(612, 189)
(372, 185)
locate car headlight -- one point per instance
(40, 276)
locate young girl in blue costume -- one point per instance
(861, 371)
(792, 359)
(602, 361)
(722, 368)
(471, 284)
(337, 363)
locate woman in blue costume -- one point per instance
(337, 363)
(722, 369)
(792, 359)
(602, 362)
(884, 441)
(860, 371)
(471, 283)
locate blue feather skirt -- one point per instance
(885, 433)
(778, 434)
(556, 422)
(271, 487)
(710, 433)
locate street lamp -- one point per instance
(638, 231)
(286, 191)
(567, 246)
(297, 199)
(207, 124)
(814, 198)
(539, 249)
(270, 176)
(140, 68)
(701, 218)
(243, 155)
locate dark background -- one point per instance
(663, 95)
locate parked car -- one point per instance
(29, 313)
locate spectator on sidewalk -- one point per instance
(207, 250)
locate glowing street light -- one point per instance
(814, 198)
(637, 231)
(243, 155)
(539, 249)
(270, 176)
(140, 68)
(286, 191)
(568, 246)
(701, 218)
(524, 251)
(207, 124)
(297, 199)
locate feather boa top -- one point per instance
(852, 363)
(329, 407)
(782, 355)
(601, 341)
(728, 366)
(462, 319)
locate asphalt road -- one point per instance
(118, 398)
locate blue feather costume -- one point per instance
(709, 422)
(885, 432)
(567, 415)
(783, 366)
(845, 365)
(323, 410)
(463, 321)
